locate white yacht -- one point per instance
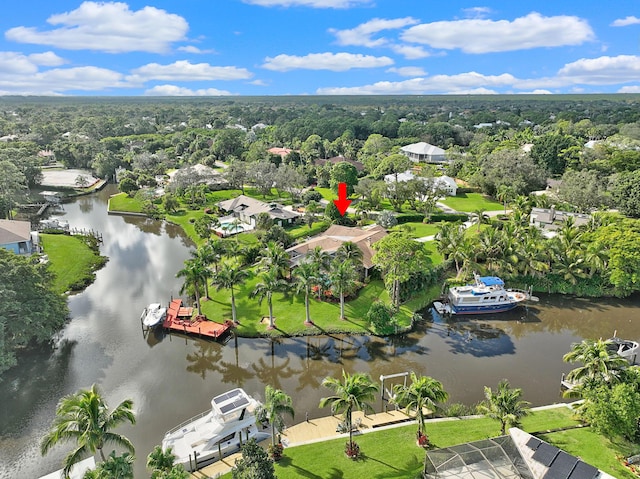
(153, 315)
(211, 434)
(486, 294)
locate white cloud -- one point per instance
(61, 80)
(408, 71)
(47, 59)
(173, 90)
(410, 52)
(484, 36)
(17, 64)
(535, 92)
(107, 26)
(474, 91)
(625, 22)
(630, 89)
(310, 3)
(476, 12)
(337, 62)
(193, 49)
(602, 70)
(361, 35)
(258, 83)
(184, 70)
(461, 83)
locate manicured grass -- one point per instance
(302, 231)
(122, 202)
(432, 248)
(222, 195)
(71, 260)
(289, 312)
(470, 202)
(327, 193)
(392, 453)
(418, 230)
(594, 449)
(285, 199)
(182, 218)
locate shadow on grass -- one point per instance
(410, 470)
(286, 462)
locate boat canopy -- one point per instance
(491, 281)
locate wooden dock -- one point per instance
(180, 320)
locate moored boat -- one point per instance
(626, 348)
(487, 294)
(229, 423)
(153, 315)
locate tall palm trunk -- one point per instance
(342, 305)
(306, 306)
(233, 307)
(271, 325)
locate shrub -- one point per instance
(409, 218)
(387, 219)
(448, 217)
(380, 317)
(311, 195)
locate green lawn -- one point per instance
(470, 202)
(327, 193)
(71, 260)
(122, 202)
(393, 453)
(418, 229)
(302, 231)
(289, 314)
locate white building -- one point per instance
(424, 152)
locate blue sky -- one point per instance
(311, 47)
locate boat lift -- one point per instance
(388, 392)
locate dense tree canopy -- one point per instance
(30, 311)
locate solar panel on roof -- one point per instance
(583, 471)
(545, 454)
(561, 466)
(533, 443)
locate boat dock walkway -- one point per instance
(308, 432)
(179, 320)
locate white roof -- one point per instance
(423, 148)
(445, 180)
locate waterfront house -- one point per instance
(334, 237)
(247, 209)
(423, 152)
(549, 220)
(16, 236)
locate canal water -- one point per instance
(171, 378)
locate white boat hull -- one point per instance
(153, 315)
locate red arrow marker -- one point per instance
(342, 203)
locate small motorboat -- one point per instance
(625, 348)
(153, 315)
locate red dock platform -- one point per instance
(179, 320)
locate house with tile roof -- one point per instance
(247, 209)
(443, 183)
(16, 236)
(334, 237)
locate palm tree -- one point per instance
(504, 405)
(217, 251)
(343, 277)
(204, 255)
(355, 392)
(231, 274)
(349, 251)
(504, 195)
(424, 392)
(85, 418)
(320, 258)
(305, 276)
(274, 256)
(193, 273)
(271, 283)
(162, 464)
(276, 403)
(599, 363)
